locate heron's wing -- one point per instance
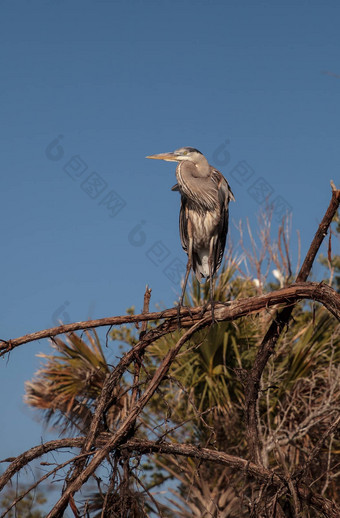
(183, 220)
(183, 224)
(224, 196)
(231, 195)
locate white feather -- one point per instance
(203, 269)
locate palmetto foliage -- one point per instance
(201, 401)
(68, 385)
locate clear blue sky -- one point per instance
(88, 89)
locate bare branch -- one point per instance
(235, 309)
(271, 337)
(251, 469)
(36, 452)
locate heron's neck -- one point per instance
(202, 168)
(195, 184)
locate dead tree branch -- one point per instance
(141, 446)
(275, 330)
(236, 309)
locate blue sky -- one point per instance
(88, 89)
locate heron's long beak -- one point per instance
(169, 157)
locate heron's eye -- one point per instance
(185, 152)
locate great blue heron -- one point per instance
(204, 214)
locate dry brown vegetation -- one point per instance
(238, 417)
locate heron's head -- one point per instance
(184, 153)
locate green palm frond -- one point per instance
(307, 347)
(203, 377)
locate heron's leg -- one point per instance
(212, 302)
(189, 265)
(211, 279)
(180, 305)
(185, 282)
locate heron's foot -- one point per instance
(205, 307)
(210, 306)
(190, 312)
(179, 307)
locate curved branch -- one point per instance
(319, 235)
(255, 471)
(25, 458)
(18, 498)
(37, 451)
(236, 309)
(141, 446)
(251, 469)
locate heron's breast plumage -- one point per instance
(203, 227)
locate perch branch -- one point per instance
(236, 309)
